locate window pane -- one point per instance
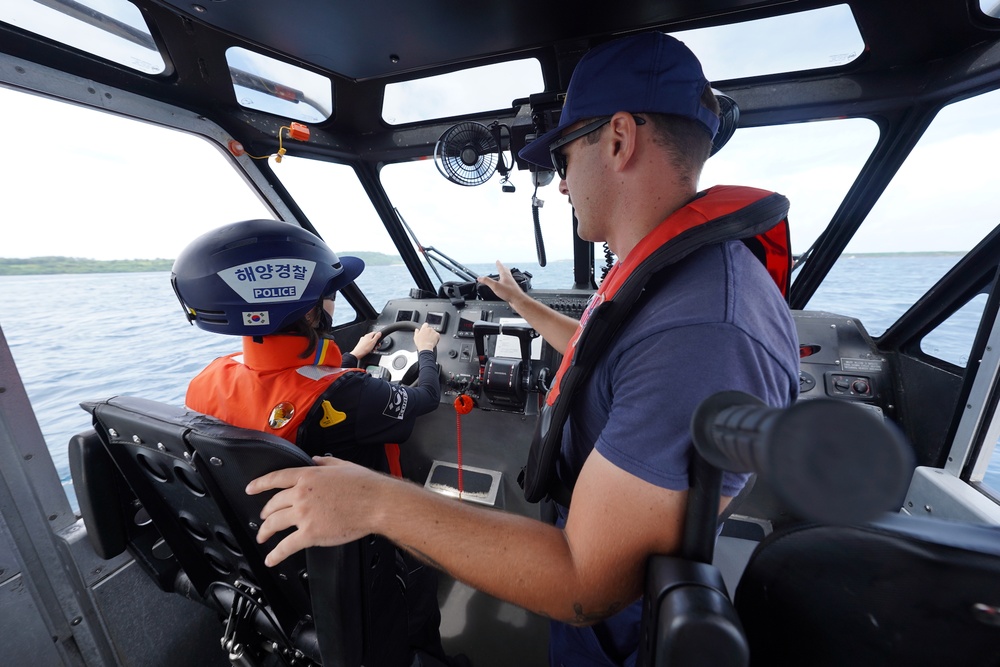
(814, 39)
(335, 202)
(813, 164)
(276, 87)
(111, 29)
(120, 189)
(107, 333)
(876, 288)
(952, 339)
(941, 203)
(992, 477)
(468, 91)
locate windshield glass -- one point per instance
(90, 202)
(812, 164)
(940, 204)
(477, 226)
(333, 199)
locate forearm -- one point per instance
(522, 561)
(428, 387)
(580, 574)
(554, 327)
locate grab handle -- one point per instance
(830, 461)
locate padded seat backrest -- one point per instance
(900, 590)
(189, 473)
(204, 527)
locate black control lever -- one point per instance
(522, 331)
(504, 380)
(524, 334)
(830, 461)
(480, 330)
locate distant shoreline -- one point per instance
(921, 253)
(64, 265)
(19, 266)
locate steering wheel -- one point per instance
(401, 364)
(405, 325)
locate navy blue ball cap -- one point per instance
(650, 72)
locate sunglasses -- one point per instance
(556, 155)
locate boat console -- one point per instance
(838, 359)
(487, 351)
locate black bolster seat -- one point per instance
(851, 581)
(899, 590)
(168, 484)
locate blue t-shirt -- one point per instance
(713, 322)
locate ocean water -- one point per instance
(81, 337)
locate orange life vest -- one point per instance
(268, 387)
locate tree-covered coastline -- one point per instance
(20, 266)
(54, 265)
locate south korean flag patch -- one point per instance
(256, 318)
(396, 407)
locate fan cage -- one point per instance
(467, 154)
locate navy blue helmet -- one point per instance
(257, 277)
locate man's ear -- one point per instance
(623, 134)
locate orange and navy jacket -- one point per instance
(312, 402)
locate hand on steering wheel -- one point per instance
(426, 338)
(366, 344)
(402, 364)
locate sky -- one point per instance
(81, 183)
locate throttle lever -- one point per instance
(480, 330)
(524, 334)
(520, 330)
(505, 381)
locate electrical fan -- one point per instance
(467, 153)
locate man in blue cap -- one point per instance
(634, 133)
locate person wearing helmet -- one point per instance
(274, 284)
